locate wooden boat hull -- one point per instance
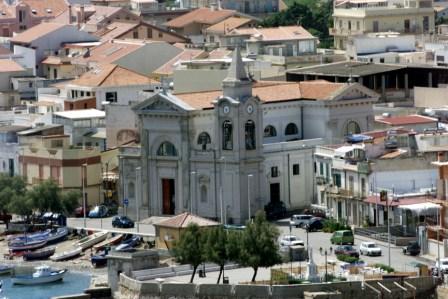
(39, 254)
(30, 280)
(66, 255)
(27, 245)
(58, 236)
(112, 241)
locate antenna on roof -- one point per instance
(350, 77)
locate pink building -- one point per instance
(24, 14)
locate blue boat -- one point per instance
(57, 235)
(27, 245)
(128, 244)
(99, 259)
(29, 237)
(6, 269)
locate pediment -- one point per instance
(354, 92)
(161, 103)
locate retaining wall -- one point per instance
(132, 289)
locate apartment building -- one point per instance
(356, 17)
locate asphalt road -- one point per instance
(106, 224)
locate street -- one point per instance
(106, 224)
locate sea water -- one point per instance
(73, 283)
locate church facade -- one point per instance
(225, 154)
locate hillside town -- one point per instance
(224, 149)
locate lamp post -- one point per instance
(193, 181)
(221, 191)
(290, 251)
(138, 179)
(83, 168)
(326, 261)
(249, 176)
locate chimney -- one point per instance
(70, 14)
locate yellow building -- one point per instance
(49, 156)
(355, 17)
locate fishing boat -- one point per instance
(128, 244)
(66, 255)
(99, 259)
(28, 236)
(57, 235)
(42, 274)
(27, 245)
(112, 241)
(40, 254)
(91, 240)
(6, 269)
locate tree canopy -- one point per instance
(258, 246)
(190, 248)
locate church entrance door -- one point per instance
(168, 196)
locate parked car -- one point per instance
(300, 220)
(47, 216)
(369, 248)
(346, 250)
(412, 248)
(275, 210)
(443, 265)
(79, 211)
(122, 221)
(290, 240)
(342, 237)
(98, 212)
(314, 224)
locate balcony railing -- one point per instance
(321, 180)
(345, 31)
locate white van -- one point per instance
(300, 220)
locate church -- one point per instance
(224, 154)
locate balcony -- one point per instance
(321, 180)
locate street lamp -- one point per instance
(193, 174)
(83, 168)
(326, 261)
(249, 176)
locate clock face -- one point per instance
(250, 109)
(226, 109)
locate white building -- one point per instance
(225, 154)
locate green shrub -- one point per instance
(384, 267)
(295, 281)
(331, 225)
(347, 258)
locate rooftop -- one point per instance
(12, 128)
(347, 68)
(81, 114)
(184, 219)
(274, 34)
(202, 15)
(36, 32)
(105, 75)
(271, 91)
(111, 51)
(38, 129)
(406, 120)
(187, 54)
(7, 65)
(228, 24)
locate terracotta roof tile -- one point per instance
(7, 65)
(274, 34)
(115, 30)
(46, 8)
(184, 219)
(228, 25)
(111, 51)
(270, 91)
(406, 120)
(35, 32)
(105, 75)
(202, 16)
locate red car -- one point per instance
(79, 211)
(346, 250)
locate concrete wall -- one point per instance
(130, 288)
(427, 97)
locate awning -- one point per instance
(422, 208)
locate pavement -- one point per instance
(143, 229)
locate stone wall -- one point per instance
(132, 289)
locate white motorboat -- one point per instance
(91, 240)
(66, 255)
(42, 274)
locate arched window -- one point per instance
(203, 140)
(291, 129)
(203, 193)
(352, 127)
(270, 131)
(167, 149)
(227, 137)
(250, 135)
(131, 190)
